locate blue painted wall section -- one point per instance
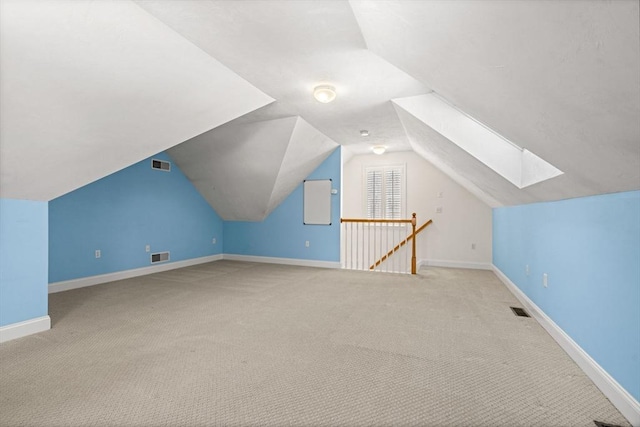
(121, 214)
(590, 249)
(282, 234)
(23, 260)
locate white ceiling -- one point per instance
(118, 81)
(244, 171)
(286, 48)
(91, 87)
(560, 79)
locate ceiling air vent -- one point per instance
(519, 312)
(601, 424)
(160, 165)
(159, 257)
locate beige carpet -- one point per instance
(230, 343)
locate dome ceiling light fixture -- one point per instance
(324, 93)
(379, 149)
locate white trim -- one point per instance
(621, 399)
(286, 261)
(453, 264)
(22, 329)
(127, 274)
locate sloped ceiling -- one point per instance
(465, 169)
(245, 170)
(90, 87)
(286, 48)
(561, 79)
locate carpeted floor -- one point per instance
(231, 343)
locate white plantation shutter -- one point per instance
(385, 192)
(374, 193)
(393, 193)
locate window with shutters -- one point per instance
(384, 192)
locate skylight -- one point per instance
(517, 165)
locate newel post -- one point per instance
(413, 243)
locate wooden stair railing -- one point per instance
(401, 244)
(364, 244)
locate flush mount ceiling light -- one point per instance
(379, 149)
(324, 93)
(364, 132)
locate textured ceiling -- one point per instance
(90, 87)
(286, 48)
(472, 174)
(561, 79)
(245, 170)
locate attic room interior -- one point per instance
(164, 261)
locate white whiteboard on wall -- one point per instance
(317, 202)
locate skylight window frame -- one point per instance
(517, 165)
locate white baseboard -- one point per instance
(22, 329)
(286, 261)
(621, 399)
(127, 274)
(453, 264)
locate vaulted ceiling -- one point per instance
(560, 79)
(265, 160)
(88, 88)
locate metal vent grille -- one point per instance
(519, 312)
(160, 165)
(159, 257)
(601, 424)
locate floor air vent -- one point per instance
(601, 424)
(160, 165)
(159, 257)
(519, 312)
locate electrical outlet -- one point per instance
(545, 280)
(473, 246)
(147, 248)
(439, 209)
(439, 195)
(213, 240)
(98, 253)
(306, 244)
(526, 269)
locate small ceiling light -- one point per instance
(324, 93)
(364, 132)
(379, 149)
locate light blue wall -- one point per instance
(122, 213)
(23, 260)
(282, 234)
(590, 249)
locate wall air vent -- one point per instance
(161, 165)
(159, 257)
(519, 312)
